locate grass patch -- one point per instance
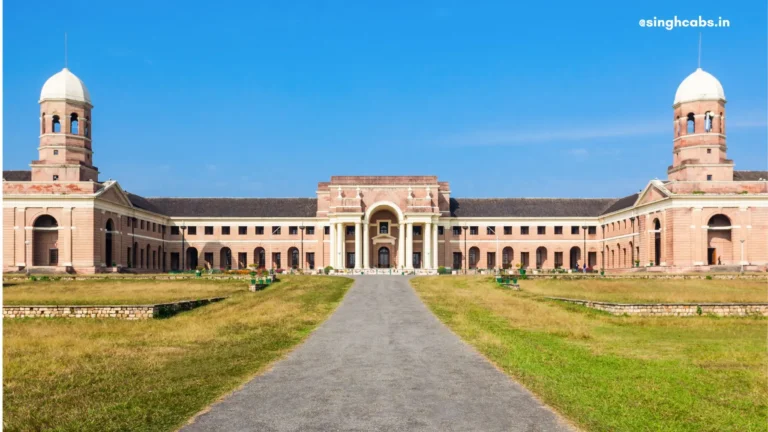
(116, 292)
(613, 373)
(100, 375)
(653, 290)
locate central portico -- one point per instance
(379, 218)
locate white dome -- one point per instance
(699, 85)
(65, 85)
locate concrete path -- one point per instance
(382, 362)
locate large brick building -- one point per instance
(60, 216)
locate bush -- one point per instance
(708, 277)
(327, 269)
(442, 270)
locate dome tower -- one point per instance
(699, 151)
(65, 131)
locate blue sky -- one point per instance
(267, 98)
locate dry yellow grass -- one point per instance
(117, 292)
(614, 373)
(652, 290)
(89, 374)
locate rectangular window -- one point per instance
(128, 222)
(541, 230)
(225, 230)
(473, 230)
(311, 260)
(276, 260)
(457, 231)
(417, 230)
(558, 259)
(192, 230)
(292, 230)
(242, 230)
(440, 230)
(491, 258)
(174, 230)
(575, 230)
(592, 230)
(141, 223)
(154, 227)
(491, 230)
(457, 260)
(276, 230)
(327, 230)
(524, 230)
(259, 230)
(349, 230)
(558, 230)
(384, 227)
(524, 260)
(209, 230)
(208, 258)
(53, 257)
(709, 151)
(507, 230)
(709, 177)
(592, 259)
(311, 230)
(55, 177)
(55, 152)
(242, 260)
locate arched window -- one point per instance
(722, 123)
(708, 121)
(677, 126)
(691, 124)
(719, 220)
(74, 126)
(55, 124)
(42, 124)
(87, 126)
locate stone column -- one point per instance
(427, 246)
(435, 247)
(340, 247)
(332, 246)
(409, 247)
(366, 245)
(358, 245)
(401, 245)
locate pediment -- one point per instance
(384, 238)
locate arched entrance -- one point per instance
(575, 257)
(260, 257)
(108, 244)
(541, 257)
(293, 256)
(383, 258)
(225, 258)
(474, 257)
(507, 255)
(191, 258)
(45, 238)
(719, 246)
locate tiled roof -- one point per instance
(621, 203)
(750, 175)
(17, 175)
(529, 207)
(228, 207)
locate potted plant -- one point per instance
(602, 271)
(327, 269)
(199, 271)
(520, 269)
(637, 263)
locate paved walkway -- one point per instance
(381, 362)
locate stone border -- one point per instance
(125, 312)
(673, 309)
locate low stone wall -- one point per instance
(126, 312)
(674, 309)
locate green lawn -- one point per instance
(116, 292)
(653, 290)
(102, 375)
(608, 373)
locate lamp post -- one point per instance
(466, 258)
(742, 255)
(586, 255)
(301, 258)
(183, 253)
